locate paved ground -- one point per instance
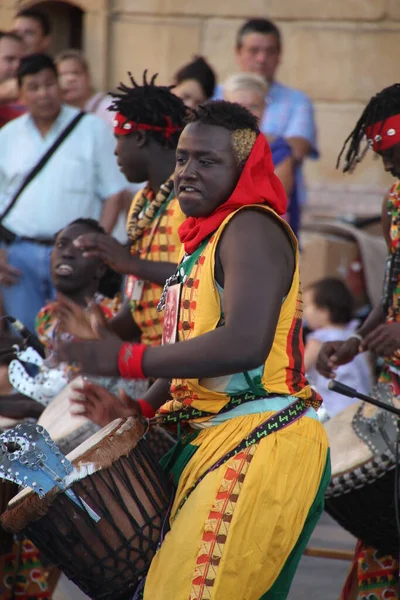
(320, 578)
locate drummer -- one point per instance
(235, 365)
(80, 280)
(380, 123)
(148, 122)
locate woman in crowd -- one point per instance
(76, 85)
(195, 82)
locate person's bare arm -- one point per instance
(100, 406)
(118, 257)
(111, 209)
(18, 406)
(158, 393)
(124, 325)
(285, 172)
(300, 146)
(257, 261)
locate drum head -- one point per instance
(347, 450)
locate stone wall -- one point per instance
(340, 52)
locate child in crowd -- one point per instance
(328, 312)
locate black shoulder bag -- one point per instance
(39, 166)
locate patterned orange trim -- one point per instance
(217, 525)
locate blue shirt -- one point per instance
(80, 175)
(280, 151)
(288, 113)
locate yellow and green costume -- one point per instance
(239, 533)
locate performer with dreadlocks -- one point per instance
(375, 575)
(252, 470)
(147, 125)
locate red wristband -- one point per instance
(147, 409)
(130, 360)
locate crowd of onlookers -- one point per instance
(83, 179)
(286, 115)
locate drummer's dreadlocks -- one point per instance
(151, 104)
(381, 106)
(232, 116)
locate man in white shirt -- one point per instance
(81, 179)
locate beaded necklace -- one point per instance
(142, 216)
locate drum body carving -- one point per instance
(360, 496)
(118, 477)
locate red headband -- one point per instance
(122, 126)
(385, 134)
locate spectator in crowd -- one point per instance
(33, 27)
(250, 90)
(76, 85)
(11, 52)
(290, 112)
(328, 311)
(195, 82)
(80, 180)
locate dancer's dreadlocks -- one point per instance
(152, 105)
(382, 106)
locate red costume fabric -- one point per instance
(257, 184)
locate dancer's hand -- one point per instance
(93, 357)
(384, 340)
(100, 406)
(86, 324)
(334, 354)
(108, 249)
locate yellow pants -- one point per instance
(235, 532)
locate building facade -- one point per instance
(340, 53)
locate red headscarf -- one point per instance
(257, 184)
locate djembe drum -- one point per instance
(69, 431)
(116, 475)
(361, 496)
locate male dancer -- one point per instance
(246, 501)
(148, 122)
(375, 576)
